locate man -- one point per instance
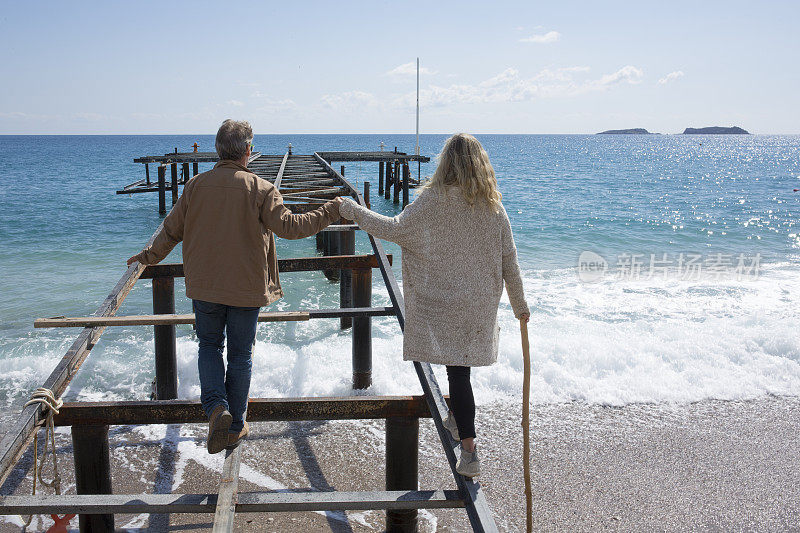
(227, 218)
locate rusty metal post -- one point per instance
(332, 246)
(406, 175)
(387, 191)
(366, 195)
(147, 172)
(347, 240)
(380, 178)
(92, 472)
(195, 169)
(397, 184)
(402, 469)
(185, 170)
(164, 337)
(162, 190)
(342, 173)
(362, 329)
(174, 174)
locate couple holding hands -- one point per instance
(457, 249)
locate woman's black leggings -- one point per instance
(462, 403)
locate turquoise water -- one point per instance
(64, 237)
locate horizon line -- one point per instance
(380, 133)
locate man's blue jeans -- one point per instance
(218, 387)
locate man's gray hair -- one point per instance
(233, 138)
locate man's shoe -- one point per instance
(218, 425)
(468, 464)
(450, 424)
(234, 439)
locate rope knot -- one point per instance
(50, 406)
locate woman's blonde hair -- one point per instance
(465, 163)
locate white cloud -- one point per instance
(506, 86)
(235, 103)
(409, 69)
(547, 38)
(510, 86)
(628, 73)
(672, 76)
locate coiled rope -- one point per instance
(50, 405)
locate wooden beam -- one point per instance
(248, 502)
(228, 489)
(298, 264)
(153, 320)
(189, 318)
(258, 410)
(345, 227)
(372, 156)
(279, 177)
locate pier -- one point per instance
(306, 181)
(301, 173)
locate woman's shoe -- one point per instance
(468, 464)
(450, 424)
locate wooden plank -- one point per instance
(152, 320)
(372, 156)
(174, 319)
(228, 491)
(478, 511)
(326, 191)
(248, 502)
(348, 501)
(345, 227)
(297, 264)
(258, 410)
(188, 157)
(20, 432)
(279, 177)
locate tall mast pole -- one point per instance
(416, 150)
(417, 147)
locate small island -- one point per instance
(630, 131)
(716, 130)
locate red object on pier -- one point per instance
(61, 523)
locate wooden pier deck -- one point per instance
(305, 182)
(302, 173)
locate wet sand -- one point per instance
(704, 466)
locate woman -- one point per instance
(457, 251)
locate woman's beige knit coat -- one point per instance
(455, 259)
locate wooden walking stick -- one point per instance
(526, 395)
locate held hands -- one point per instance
(132, 259)
(525, 316)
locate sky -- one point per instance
(349, 67)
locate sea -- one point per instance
(658, 269)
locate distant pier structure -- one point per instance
(292, 172)
(306, 181)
